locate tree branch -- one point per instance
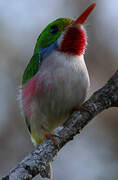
(39, 160)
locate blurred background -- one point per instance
(94, 154)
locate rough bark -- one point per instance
(38, 162)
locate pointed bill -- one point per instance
(82, 18)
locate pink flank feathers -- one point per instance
(35, 87)
(28, 92)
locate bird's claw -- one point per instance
(51, 136)
(82, 107)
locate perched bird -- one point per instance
(56, 79)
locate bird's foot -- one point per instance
(51, 136)
(82, 107)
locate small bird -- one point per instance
(56, 79)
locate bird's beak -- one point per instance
(82, 18)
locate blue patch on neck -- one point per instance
(44, 52)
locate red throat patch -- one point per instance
(74, 41)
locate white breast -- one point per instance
(64, 81)
(69, 77)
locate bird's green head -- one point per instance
(52, 32)
(73, 41)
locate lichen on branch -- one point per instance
(39, 161)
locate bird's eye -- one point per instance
(54, 29)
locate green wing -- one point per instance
(27, 124)
(31, 68)
(30, 71)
